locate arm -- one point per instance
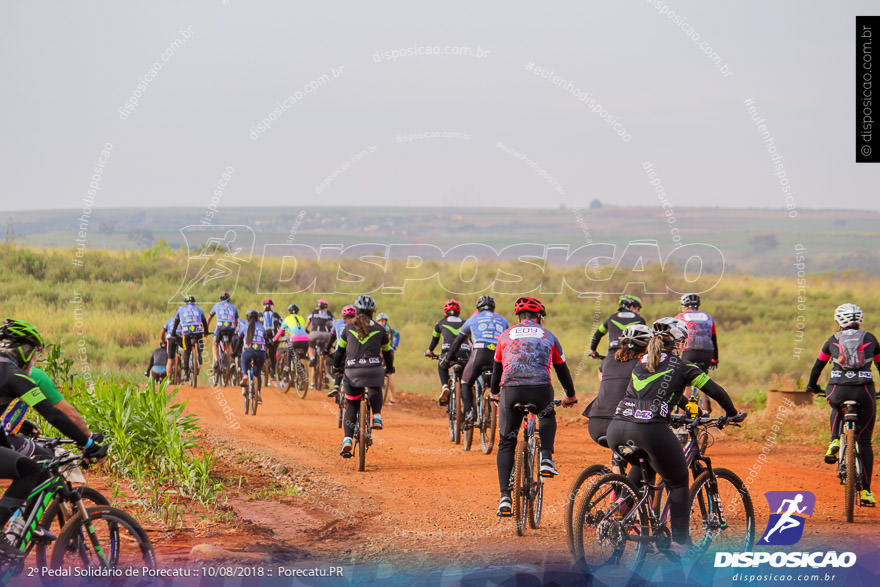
(564, 376)
(74, 416)
(821, 360)
(456, 344)
(435, 340)
(715, 391)
(339, 357)
(205, 323)
(597, 336)
(714, 345)
(176, 323)
(387, 352)
(211, 317)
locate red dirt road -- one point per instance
(424, 501)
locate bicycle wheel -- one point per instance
(82, 545)
(194, 366)
(604, 526)
(849, 455)
(252, 391)
(363, 426)
(340, 403)
(386, 387)
(585, 478)
(284, 376)
(247, 400)
(302, 379)
(536, 484)
(490, 425)
(450, 411)
(722, 517)
(457, 420)
(57, 514)
(468, 434)
(519, 491)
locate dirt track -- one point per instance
(424, 501)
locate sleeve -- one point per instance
(44, 382)
(499, 350)
(497, 369)
(386, 340)
(456, 344)
(150, 364)
(714, 344)
(204, 322)
(717, 393)
(564, 376)
(343, 338)
(825, 352)
(176, 322)
(557, 357)
(24, 387)
(597, 336)
(435, 338)
(213, 310)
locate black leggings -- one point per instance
(190, 341)
(665, 456)
(352, 404)
(25, 473)
(864, 394)
(510, 422)
(258, 358)
(479, 359)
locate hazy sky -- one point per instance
(427, 129)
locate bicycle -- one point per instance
(100, 536)
(294, 373)
(453, 406)
(320, 369)
(615, 512)
(252, 392)
(224, 372)
(362, 437)
(192, 357)
(487, 414)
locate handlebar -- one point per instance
(432, 356)
(679, 419)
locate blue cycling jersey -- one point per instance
(170, 324)
(484, 328)
(338, 327)
(226, 313)
(258, 341)
(191, 317)
(271, 320)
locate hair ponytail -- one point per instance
(252, 321)
(655, 350)
(362, 323)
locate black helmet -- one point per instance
(293, 309)
(486, 303)
(252, 313)
(189, 299)
(365, 304)
(224, 297)
(690, 300)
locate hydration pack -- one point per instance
(852, 351)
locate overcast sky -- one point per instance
(478, 129)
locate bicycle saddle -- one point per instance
(603, 441)
(631, 451)
(526, 408)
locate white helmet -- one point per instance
(673, 326)
(636, 335)
(848, 315)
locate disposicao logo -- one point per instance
(788, 513)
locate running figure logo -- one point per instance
(216, 253)
(789, 511)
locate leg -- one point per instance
(352, 395)
(667, 459)
(547, 423)
(509, 423)
(864, 431)
(375, 396)
(468, 377)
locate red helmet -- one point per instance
(348, 311)
(451, 306)
(526, 304)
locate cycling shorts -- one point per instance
(225, 334)
(319, 339)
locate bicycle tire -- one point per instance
(591, 514)
(56, 516)
(194, 366)
(458, 414)
(302, 379)
(493, 427)
(247, 400)
(517, 493)
(252, 391)
(340, 407)
(536, 484)
(468, 434)
(585, 475)
(851, 486)
(362, 425)
(717, 515)
(450, 412)
(77, 543)
(386, 387)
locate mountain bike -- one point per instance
(100, 536)
(616, 513)
(192, 356)
(251, 393)
(453, 406)
(487, 414)
(526, 482)
(222, 374)
(363, 430)
(321, 369)
(294, 373)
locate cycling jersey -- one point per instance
(650, 397)
(295, 327)
(394, 337)
(191, 319)
(321, 320)
(484, 328)
(227, 314)
(14, 414)
(701, 330)
(445, 332)
(271, 322)
(613, 326)
(852, 351)
(258, 340)
(616, 376)
(367, 351)
(338, 327)
(169, 327)
(526, 352)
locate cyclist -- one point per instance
(193, 326)
(628, 310)
(348, 314)
(852, 350)
(272, 323)
(20, 343)
(157, 368)
(446, 330)
(172, 338)
(295, 327)
(701, 347)
(633, 343)
(362, 348)
(642, 416)
(523, 357)
(483, 328)
(227, 321)
(382, 320)
(254, 351)
(319, 324)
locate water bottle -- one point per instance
(16, 525)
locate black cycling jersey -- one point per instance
(321, 321)
(616, 376)
(445, 332)
(650, 396)
(852, 351)
(354, 352)
(614, 325)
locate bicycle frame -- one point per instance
(848, 422)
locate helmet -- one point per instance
(322, 303)
(365, 304)
(526, 304)
(691, 300)
(224, 297)
(486, 303)
(189, 299)
(452, 306)
(848, 315)
(293, 309)
(19, 340)
(268, 302)
(636, 335)
(628, 302)
(382, 316)
(348, 311)
(675, 327)
(252, 313)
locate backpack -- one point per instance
(852, 351)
